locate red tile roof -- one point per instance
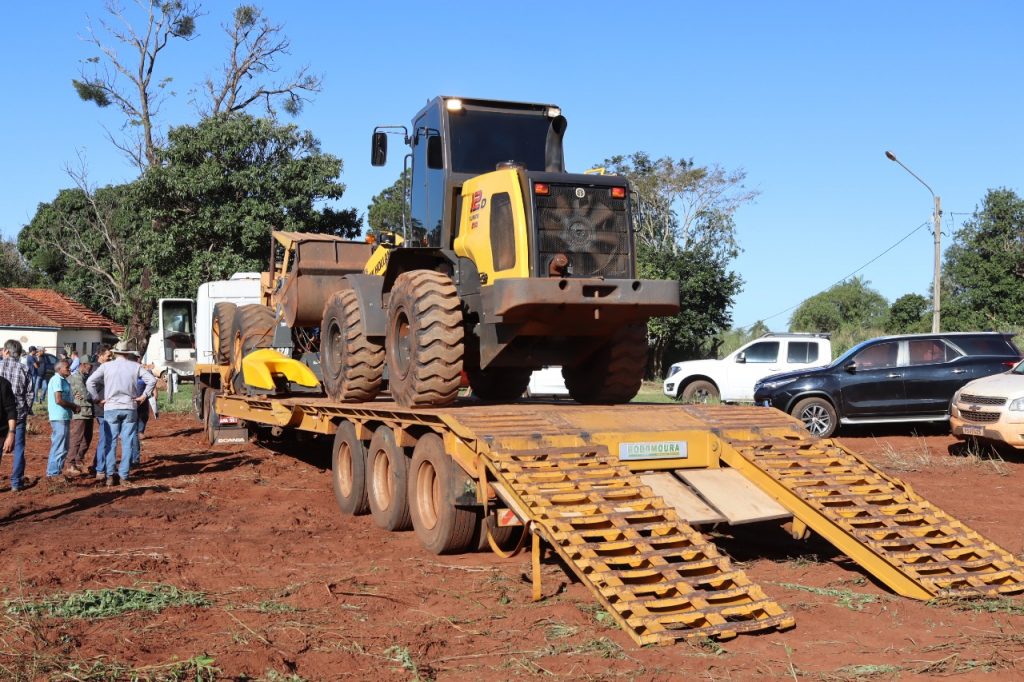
(48, 308)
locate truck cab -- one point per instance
(172, 341)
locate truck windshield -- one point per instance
(177, 323)
(482, 139)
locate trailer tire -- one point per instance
(425, 335)
(500, 384)
(613, 373)
(504, 536)
(352, 364)
(253, 328)
(348, 471)
(387, 473)
(212, 418)
(222, 324)
(435, 483)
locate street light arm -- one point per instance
(892, 157)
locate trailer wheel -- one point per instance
(435, 482)
(387, 473)
(212, 418)
(253, 328)
(424, 345)
(352, 364)
(348, 470)
(499, 383)
(613, 373)
(223, 323)
(504, 536)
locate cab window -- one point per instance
(802, 352)
(765, 351)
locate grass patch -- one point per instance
(271, 606)
(107, 603)
(860, 672)
(402, 656)
(560, 631)
(998, 605)
(848, 599)
(597, 612)
(182, 401)
(35, 666)
(919, 456)
(650, 392)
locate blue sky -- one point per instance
(805, 97)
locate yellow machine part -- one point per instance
(378, 261)
(260, 366)
(492, 232)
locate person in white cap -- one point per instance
(117, 380)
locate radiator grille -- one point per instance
(984, 417)
(981, 399)
(592, 230)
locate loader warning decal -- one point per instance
(671, 449)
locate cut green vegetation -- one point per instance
(999, 605)
(34, 666)
(108, 602)
(848, 599)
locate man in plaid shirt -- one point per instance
(16, 374)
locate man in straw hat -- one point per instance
(117, 380)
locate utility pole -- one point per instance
(937, 219)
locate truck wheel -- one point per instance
(818, 416)
(199, 402)
(253, 328)
(387, 473)
(699, 391)
(352, 364)
(435, 482)
(499, 383)
(613, 373)
(348, 470)
(504, 536)
(223, 323)
(212, 418)
(424, 343)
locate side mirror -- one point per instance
(379, 155)
(851, 367)
(742, 357)
(435, 157)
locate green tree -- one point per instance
(386, 210)
(983, 270)
(851, 311)
(222, 186)
(14, 269)
(706, 290)
(909, 314)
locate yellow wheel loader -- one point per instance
(506, 264)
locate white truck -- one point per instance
(172, 343)
(732, 379)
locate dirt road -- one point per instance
(248, 572)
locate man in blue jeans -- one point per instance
(121, 399)
(12, 369)
(60, 406)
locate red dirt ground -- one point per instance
(298, 591)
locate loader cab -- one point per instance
(455, 139)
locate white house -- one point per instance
(50, 320)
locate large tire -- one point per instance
(699, 391)
(352, 364)
(425, 337)
(500, 384)
(253, 328)
(435, 482)
(387, 474)
(348, 471)
(614, 372)
(818, 416)
(222, 324)
(212, 418)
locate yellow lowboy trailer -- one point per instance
(618, 492)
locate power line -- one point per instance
(843, 279)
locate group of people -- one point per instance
(117, 392)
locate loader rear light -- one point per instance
(541, 189)
(618, 192)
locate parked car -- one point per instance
(991, 408)
(909, 378)
(732, 378)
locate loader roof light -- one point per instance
(541, 188)
(554, 112)
(453, 105)
(618, 192)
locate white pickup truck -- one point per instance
(732, 378)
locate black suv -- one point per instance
(888, 379)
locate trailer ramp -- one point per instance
(908, 543)
(660, 578)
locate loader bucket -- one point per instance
(260, 366)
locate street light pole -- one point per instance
(937, 219)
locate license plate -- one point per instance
(973, 430)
